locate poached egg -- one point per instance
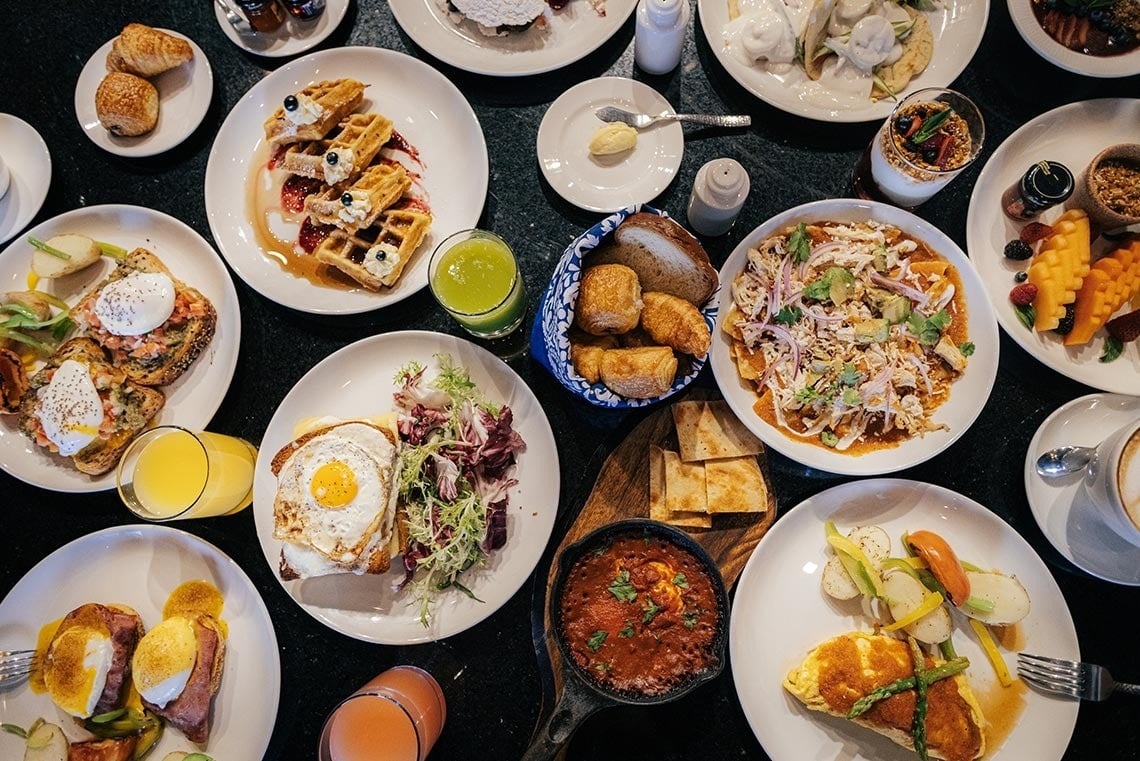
(69, 408)
(76, 669)
(164, 659)
(135, 304)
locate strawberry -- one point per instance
(1126, 327)
(1023, 295)
(1035, 231)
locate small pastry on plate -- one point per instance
(147, 52)
(126, 105)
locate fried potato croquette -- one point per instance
(676, 323)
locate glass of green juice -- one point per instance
(474, 275)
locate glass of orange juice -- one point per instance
(474, 275)
(169, 472)
(397, 716)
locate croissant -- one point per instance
(675, 322)
(640, 373)
(147, 52)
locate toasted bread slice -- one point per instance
(124, 626)
(160, 356)
(138, 404)
(193, 710)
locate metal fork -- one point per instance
(641, 121)
(15, 665)
(1084, 681)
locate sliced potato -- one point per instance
(46, 743)
(30, 300)
(874, 542)
(83, 252)
(837, 582)
(175, 755)
(1009, 599)
(904, 594)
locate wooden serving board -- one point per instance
(622, 491)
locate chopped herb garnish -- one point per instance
(799, 244)
(689, 618)
(851, 397)
(681, 581)
(788, 316)
(596, 640)
(829, 438)
(928, 329)
(967, 348)
(931, 125)
(15, 730)
(651, 611)
(627, 630)
(1113, 348)
(850, 376)
(1027, 314)
(621, 588)
(603, 667)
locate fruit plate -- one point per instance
(573, 32)
(192, 400)
(968, 394)
(139, 566)
(428, 111)
(781, 583)
(369, 607)
(1073, 135)
(957, 29)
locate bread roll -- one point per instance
(674, 322)
(126, 105)
(609, 300)
(641, 373)
(147, 52)
(665, 256)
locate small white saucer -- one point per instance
(607, 183)
(184, 95)
(1058, 504)
(29, 163)
(292, 37)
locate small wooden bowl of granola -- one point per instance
(1109, 188)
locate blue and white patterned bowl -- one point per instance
(549, 343)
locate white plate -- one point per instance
(192, 400)
(292, 37)
(574, 32)
(1059, 505)
(361, 376)
(427, 110)
(968, 394)
(1048, 48)
(1073, 135)
(957, 30)
(607, 183)
(184, 95)
(779, 613)
(140, 566)
(29, 165)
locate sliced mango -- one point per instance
(1059, 268)
(1112, 280)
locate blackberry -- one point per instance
(1021, 276)
(332, 158)
(290, 103)
(903, 123)
(346, 199)
(1017, 249)
(1066, 324)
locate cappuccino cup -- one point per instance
(1112, 482)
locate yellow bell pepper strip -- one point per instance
(989, 646)
(928, 604)
(858, 565)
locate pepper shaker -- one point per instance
(718, 194)
(660, 34)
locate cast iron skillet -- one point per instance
(581, 695)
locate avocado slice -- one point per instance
(875, 330)
(896, 309)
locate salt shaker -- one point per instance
(660, 34)
(718, 193)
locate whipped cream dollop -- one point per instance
(763, 31)
(306, 112)
(357, 209)
(381, 260)
(339, 168)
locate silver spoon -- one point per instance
(1064, 460)
(641, 121)
(237, 22)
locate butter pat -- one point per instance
(611, 138)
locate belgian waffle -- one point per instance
(336, 98)
(360, 138)
(399, 232)
(379, 187)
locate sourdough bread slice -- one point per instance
(665, 256)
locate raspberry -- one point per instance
(1126, 327)
(1017, 249)
(1066, 324)
(1023, 295)
(1035, 231)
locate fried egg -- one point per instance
(333, 491)
(164, 659)
(69, 408)
(135, 304)
(76, 669)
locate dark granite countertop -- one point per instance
(490, 674)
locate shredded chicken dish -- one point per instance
(851, 333)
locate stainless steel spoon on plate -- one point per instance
(1061, 461)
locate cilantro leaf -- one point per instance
(596, 640)
(1113, 348)
(651, 611)
(850, 376)
(681, 581)
(967, 348)
(621, 588)
(928, 329)
(799, 244)
(627, 630)
(788, 316)
(818, 289)
(689, 618)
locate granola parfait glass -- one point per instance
(929, 138)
